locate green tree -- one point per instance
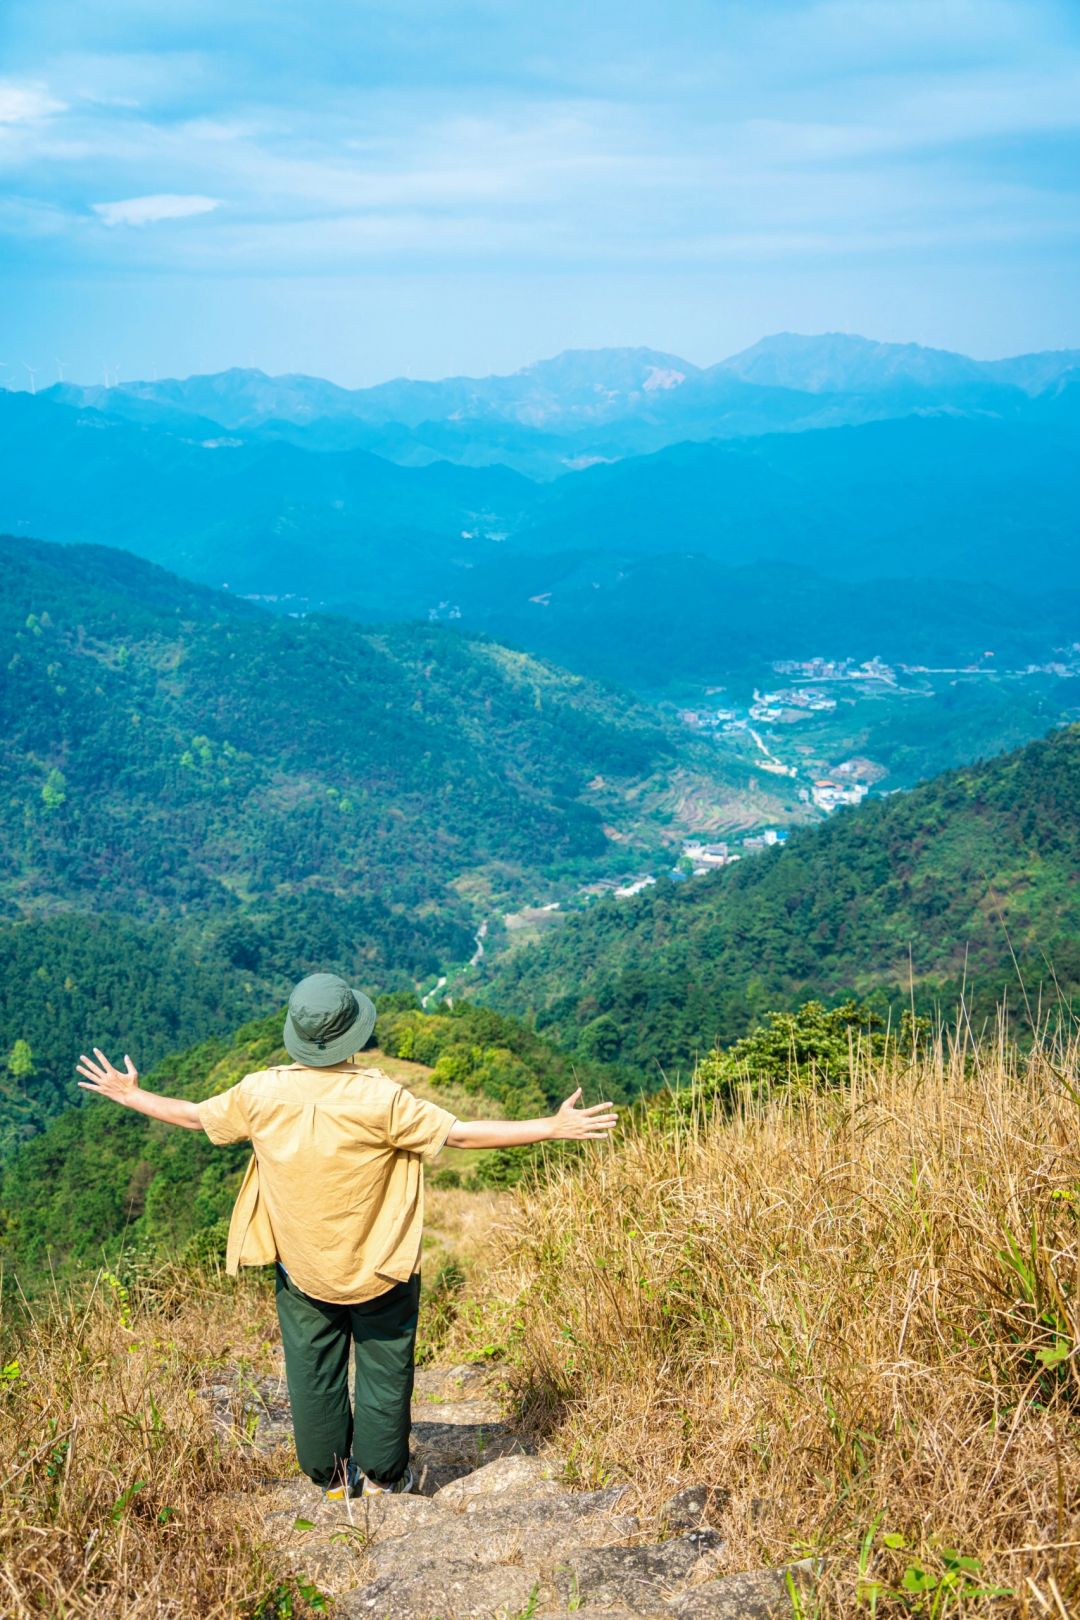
(814, 1046)
(54, 792)
(21, 1061)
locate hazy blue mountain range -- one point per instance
(842, 363)
(971, 499)
(593, 405)
(256, 516)
(943, 527)
(706, 554)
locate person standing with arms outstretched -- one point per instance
(333, 1197)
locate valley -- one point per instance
(961, 890)
(839, 730)
(203, 796)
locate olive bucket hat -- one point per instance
(326, 1021)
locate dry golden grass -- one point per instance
(457, 1245)
(117, 1496)
(857, 1311)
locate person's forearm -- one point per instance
(497, 1133)
(569, 1124)
(102, 1079)
(170, 1110)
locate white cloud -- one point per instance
(147, 210)
(22, 103)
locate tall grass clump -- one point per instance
(852, 1307)
(118, 1497)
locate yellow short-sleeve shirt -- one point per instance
(335, 1187)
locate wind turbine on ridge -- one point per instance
(33, 376)
(61, 366)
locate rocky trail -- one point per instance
(492, 1532)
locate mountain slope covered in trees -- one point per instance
(168, 748)
(921, 893)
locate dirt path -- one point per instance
(492, 1532)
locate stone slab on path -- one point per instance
(464, 1381)
(458, 1414)
(453, 1591)
(522, 1477)
(492, 1532)
(639, 1579)
(254, 1409)
(531, 1532)
(760, 1594)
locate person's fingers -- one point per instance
(597, 1108)
(571, 1101)
(103, 1060)
(90, 1072)
(129, 1068)
(85, 1085)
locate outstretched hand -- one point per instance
(574, 1124)
(106, 1081)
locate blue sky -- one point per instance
(367, 190)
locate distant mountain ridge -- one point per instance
(843, 363)
(587, 381)
(693, 553)
(589, 404)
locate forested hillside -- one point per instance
(167, 748)
(935, 889)
(649, 619)
(923, 497)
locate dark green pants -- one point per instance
(316, 1337)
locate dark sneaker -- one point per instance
(354, 1484)
(400, 1487)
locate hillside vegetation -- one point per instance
(169, 747)
(912, 894)
(117, 1490)
(852, 1310)
(71, 978)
